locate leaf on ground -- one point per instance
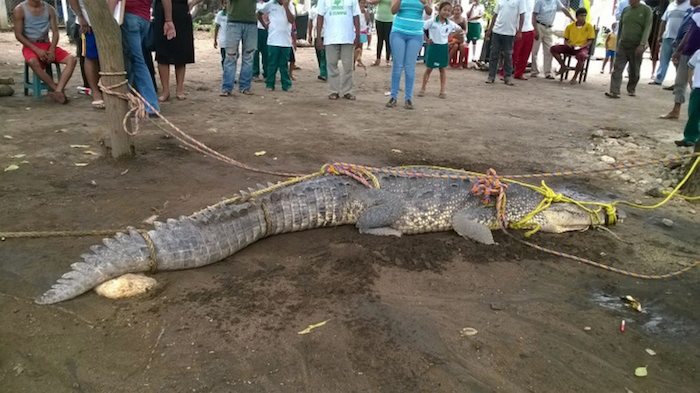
(312, 327)
(90, 153)
(260, 153)
(8, 137)
(19, 156)
(650, 351)
(640, 371)
(80, 163)
(397, 151)
(80, 146)
(468, 331)
(124, 172)
(12, 167)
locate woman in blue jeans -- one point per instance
(405, 40)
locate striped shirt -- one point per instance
(409, 19)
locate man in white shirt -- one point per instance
(338, 26)
(543, 18)
(670, 24)
(505, 26)
(523, 44)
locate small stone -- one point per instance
(667, 183)
(667, 222)
(497, 306)
(654, 192)
(625, 177)
(607, 159)
(598, 133)
(659, 180)
(587, 328)
(692, 211)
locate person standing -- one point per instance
(242, 29)
(635, 26)
(522, 47)
(505, 27)
(260, 55)
(320, 50)
(543, 15)
(406, 41)
(436, 54)
(670, 24)
(475, 14)
(691, 133)
(338, 25)
(685, 47)
(177, 51)
(279, 41)
(383, 21)
(135, 33)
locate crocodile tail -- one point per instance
(118, 255)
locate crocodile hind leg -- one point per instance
(384, 210)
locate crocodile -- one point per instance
(397, 205)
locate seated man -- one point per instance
(33, 19)
(577, 39)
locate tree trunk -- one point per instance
(109, 44)
(692, 188)
(4, 25)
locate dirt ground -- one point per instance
(395, 307)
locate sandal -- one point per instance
(349, 96)
(164, 98)
(247, 92)
(333, 96)
(98, 104)
(225, 94)
(611, 95)
(442, 95)
(181, 97)
(376, 63)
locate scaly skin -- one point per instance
(403, 204)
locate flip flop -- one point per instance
(349, 96)
(611, 95)
(225, 94)
(333, 96)
(181, 97)
(98, 104)
(164, 98)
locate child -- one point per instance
(220, 21)
(33, 20)
(439, 29)
(364, 32)
(459, 51)
(610, 47)
(279, 41)
(691, 133)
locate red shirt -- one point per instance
(140, 8)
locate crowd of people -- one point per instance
(261, 36)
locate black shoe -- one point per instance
(391, 103)
(684, 143)
(408, 105)
(321, 78)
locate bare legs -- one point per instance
(57, 88)
(426, 78)
(92, 70)
(164, 74)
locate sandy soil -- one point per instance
(395, 306)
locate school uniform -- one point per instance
(279, 43)
(437, 53)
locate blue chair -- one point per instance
(36, 85)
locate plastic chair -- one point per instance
(36, 85)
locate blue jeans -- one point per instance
(134, 32)
(404, 50)
(664, 59)
(236, 33)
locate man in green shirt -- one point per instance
(242, 27)
(635, 26)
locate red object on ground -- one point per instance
(622, 326)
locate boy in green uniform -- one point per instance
(635, 26)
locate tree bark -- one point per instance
(692, 188)
(109, 45)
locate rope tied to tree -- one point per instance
(137, 109)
